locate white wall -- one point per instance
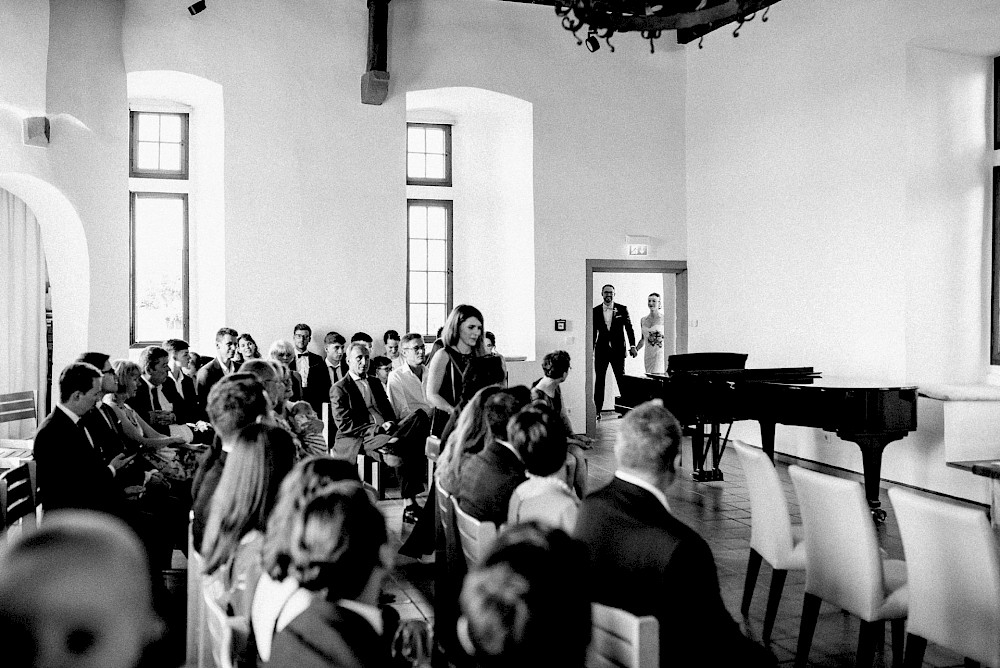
(835, 204)
(494, 211)
(305, 160)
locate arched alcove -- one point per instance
(206, 191)
(494, 210)
(68, 261)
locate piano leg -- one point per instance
(699, 453)
(697, 450)
(767, 438)
(871, 460)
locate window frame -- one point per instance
(448, 206)
(185, 265)
(133, 168)
(417, 181)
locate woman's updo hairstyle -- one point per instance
(525, 605)
(336, 541)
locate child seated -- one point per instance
(308, 427)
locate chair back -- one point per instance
(219, 635)
(21, 499)
(843, 563)
(17, 406)
(476, 537)
(620, 639)
(3, 507)
(953, 568)
(197, 653)
(770, 526)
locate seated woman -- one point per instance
(339, 546)
(544, 497)
(524, 605)
(283, 352)
(246, 348)
(175, 464)
(260, 457)
(279, 597)
(556, 368)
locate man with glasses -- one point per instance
(405, 384)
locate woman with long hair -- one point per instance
(449, 370)
(261, 456)
(466, 439)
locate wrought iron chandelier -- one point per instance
(692, 19)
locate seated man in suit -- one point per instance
(488, 478)
(71, 469)
(221, 365)
(235, 402)
(646, 561)
(336, 362)
(179, 386)
(154, 397)
(311, 369)
(365, 421)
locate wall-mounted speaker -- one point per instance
(374, 87)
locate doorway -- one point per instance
(637, 278)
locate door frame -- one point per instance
(594, 266)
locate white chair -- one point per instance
(620, 639)
(772, 536)
(953, 568)
(219, 635)
(844, 566)
(476, 537)
(197, 652)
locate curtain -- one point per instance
(23, 350)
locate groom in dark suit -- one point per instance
(646, 561)
(611, 324)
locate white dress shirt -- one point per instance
(302, 366)
(609, 312)
(406, 392)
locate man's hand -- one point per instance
(632, 351)
(121, 461)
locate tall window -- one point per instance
(428, 154)
(429, 281)
(158, 184)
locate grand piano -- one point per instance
(713, 389)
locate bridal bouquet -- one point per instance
(655, 338)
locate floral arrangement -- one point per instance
(655, 338)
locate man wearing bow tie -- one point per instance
(611, 324)
(312, 369)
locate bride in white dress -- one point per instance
(652, 336)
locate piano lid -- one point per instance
(705, 361)
(840, 383)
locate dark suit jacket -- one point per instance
(351, 415)
(611, 342)
(71, 472)
(648, 562)
(107, 435)
(326, 635)
(318, 390)
(487, 481)
(186, 408)
(209, 375)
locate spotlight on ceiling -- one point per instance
(197, 7)
(592, 43)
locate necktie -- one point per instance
(156, 398)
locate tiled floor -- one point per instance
(720, 512)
